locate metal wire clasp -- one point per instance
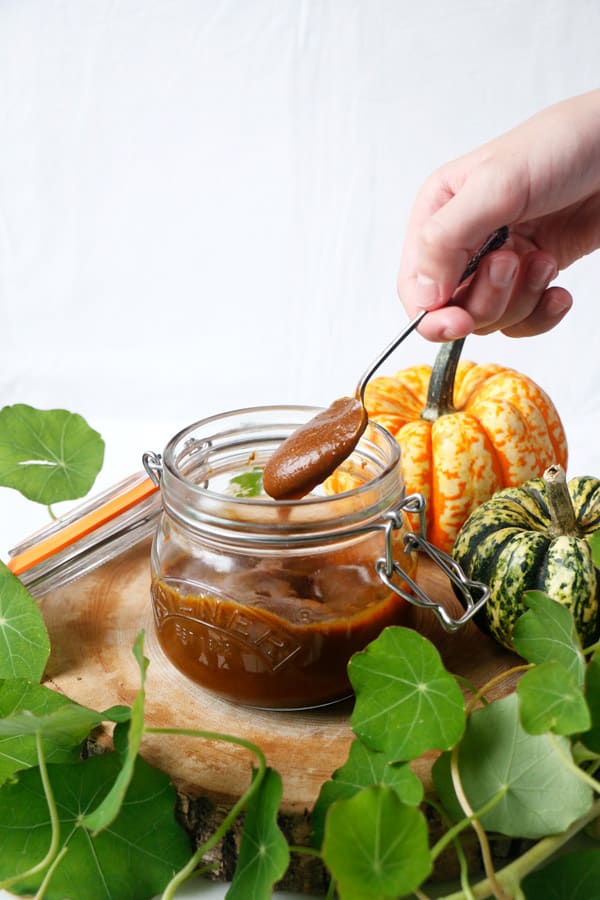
(152, 463)
(475, 594)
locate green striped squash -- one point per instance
(533, 537)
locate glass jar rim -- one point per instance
(185, 434)
(194, 503)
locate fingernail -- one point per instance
(428, 292)
(539, 273)
(502, 270)
(556, 306)
(449, 335)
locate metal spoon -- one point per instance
(494, 242)
(312, 452)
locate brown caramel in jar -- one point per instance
(275, 635)
(262, 601)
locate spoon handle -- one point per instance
(494, 242)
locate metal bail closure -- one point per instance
(152, 463)
(475, 594)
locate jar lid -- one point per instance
(91, 534)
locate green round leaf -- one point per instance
(25, 708)
(594, 542)
(24, 641)
(362, 769)
(375, 845)
(551, 700)
(591, 738)
(575, 876)
(264, 853)
(135, 858)
(48, 455)
(406, 701)
(547, 632)
(538, 794)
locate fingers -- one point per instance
(454, 214)
(552, 307)
(478, 305)
(489, 295)
(496, 306)
(508, 293)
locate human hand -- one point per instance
(542, 179)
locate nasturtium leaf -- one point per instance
(591, 738)
(61, 723)
(24, 641)
(117, 713)
(406, 701)
(48, 455)
(248, 484)
(120, 738)
(135, 858)
(375, 845)
(26, 708)
(108, 809)
(551, 700)
(264, 853)
(575, 876)
(540, 795)
(362, 769)
(594, 542)
(547, 632)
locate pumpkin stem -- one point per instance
(440, 394)
(563, 520)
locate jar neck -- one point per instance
(200, 462)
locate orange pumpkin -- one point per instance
(465, 431)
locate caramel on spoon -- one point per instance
(312, 452)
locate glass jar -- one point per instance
(263, 601)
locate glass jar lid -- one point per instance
(91, 534)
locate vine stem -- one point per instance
(478, 828)
(530, 860)
(452, 834)
(54, 822)
(466, 683)
(482, 838)
(589, 651)
(51, 870)
(572, 766)
(455, 830)
(493, 682)
(305, 851)
(188, 870)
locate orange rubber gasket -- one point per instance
(72, 533)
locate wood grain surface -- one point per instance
(93, 623)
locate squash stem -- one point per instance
(563, 520)
(440, 395)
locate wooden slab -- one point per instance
(93, 623)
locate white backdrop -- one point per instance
(202, 203)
